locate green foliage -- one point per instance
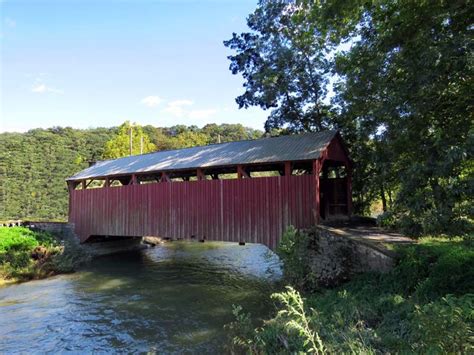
(445, 326)
(16, 245)
(425, 305)
(35, 164)
(16, 239)
(297, 324)
(229, 132)
(189, 139)
(293, 251)
(290, 331)
(436, 267)
(27, 254)
(402, 96)
(240, 332)
(387, 220)
(284, 63)
(119, 146)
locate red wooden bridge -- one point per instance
(246, 191)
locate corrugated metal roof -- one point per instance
(296, 147)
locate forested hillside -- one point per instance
(34, 165)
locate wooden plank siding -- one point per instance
(255, 210)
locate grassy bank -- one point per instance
(425, 305)
(27, 255)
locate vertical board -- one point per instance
(254, 210)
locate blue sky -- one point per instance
(99, 63)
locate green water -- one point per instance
(173, 298)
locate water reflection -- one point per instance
(172, 298)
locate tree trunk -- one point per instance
(384, 200)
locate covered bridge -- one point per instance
(245, 191)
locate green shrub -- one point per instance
(424, 305)
(293, 251)
(27, 254)
(289, 331)
(444, 326)
(240, 332)
(16, 245)
(16, 239)
(435, 267)
(297, 323)
(387, 220)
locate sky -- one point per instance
(97, 63)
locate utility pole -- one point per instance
(131, 140)
(141, 144)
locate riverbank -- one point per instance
(425, 304)
(27, 254)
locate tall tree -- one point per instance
(402, 95)
(408, 81)
(189, 138)
(130, 140)
(284, 63)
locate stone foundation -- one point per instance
(335, 258)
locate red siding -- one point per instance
(255, 210)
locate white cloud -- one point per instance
(10, 22)
(177, 107)
(182, 109)
(201, 114)
(151, 101)
(176, 103)
(42, 89)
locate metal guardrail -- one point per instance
(26, 223)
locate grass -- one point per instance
(27, 254)
(424, 305)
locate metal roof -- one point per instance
(306, 146)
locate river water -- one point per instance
(174, 298)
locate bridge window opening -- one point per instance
(91, 184)
(270, 170)
(333, 172)
(301, 172)
(222, 173)
(265, 173)
(147, 178)
(228, 176)
(144, 182)
(302, 168)
(115, 183)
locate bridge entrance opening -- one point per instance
(334, 190)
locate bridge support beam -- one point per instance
(317, 202)
(241, 173)
(200, 174)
